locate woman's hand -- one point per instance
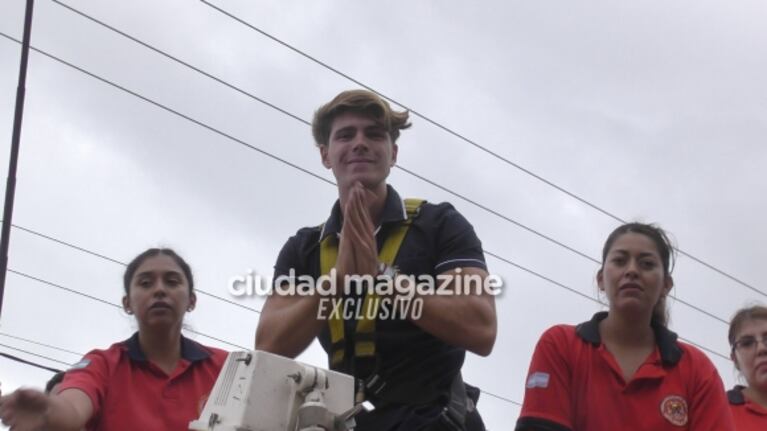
(25, 410)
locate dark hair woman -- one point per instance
(624, 369)
(155, 380)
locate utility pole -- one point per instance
(10, 188)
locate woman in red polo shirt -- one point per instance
(156, 380)
(748, 338)
(624, 369)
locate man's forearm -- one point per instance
(463, 321)
(288, 325)
(462, 318)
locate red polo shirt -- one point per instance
(129, 392)
(575, 384)
(748, 416)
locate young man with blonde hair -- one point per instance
(405, 346)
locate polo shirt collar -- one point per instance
(670, 352)
(190, 350)
(735, 395)
(393, 211)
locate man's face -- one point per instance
(359, 149)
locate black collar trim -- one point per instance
(735, 395)
(190, 350)
(670, 352)
(393, 212)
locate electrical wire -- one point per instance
(111, 304)
(27, 340)
(34, 354)
(416, 113)
(325, 180)
(597, 301)
(109, 259)
(266, 153)
(26, 362)
(466, 140)
(30, 363)
(200, 123)
(285, 112)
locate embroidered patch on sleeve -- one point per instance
(538, 380)
(80, 365)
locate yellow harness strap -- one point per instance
(364, 345)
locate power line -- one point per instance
(266, 153)
(554, 282)
(583, 295)
(66, 289)
(184, 116)
(505, 260)
(702, 347)
(111, 304)
(489, 253)
(541, 276)
(498, 214)
(445, 128)
(468, 141)
(508, 400)
(295, 166)
(41, 344)
(217, 131)
(69, 351)
(34, 354)
(177, 60)
(70, 245)
(228, 301)
(115, 305)
(291, 115)
(26, 362)
(109, 259)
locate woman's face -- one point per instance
(632, 276)
(750, 353)
(159, 293)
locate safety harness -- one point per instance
(364, 334)
(462, 397)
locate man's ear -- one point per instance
(324, 156)
(393, 154)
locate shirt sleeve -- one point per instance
(90, 375)
(709, 409)
(457, 244)
(288, 262)
(547, 405)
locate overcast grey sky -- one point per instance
(654, 111)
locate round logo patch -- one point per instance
(674, 409)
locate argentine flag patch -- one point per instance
(80, 365)
(538, 380)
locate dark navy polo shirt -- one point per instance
(440, 239)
